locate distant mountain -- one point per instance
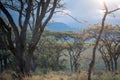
(59, 26)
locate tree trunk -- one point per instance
(57, 61)
(5, 62)
(112, 64)
(71, 63)
(19, 67)
(75, 65)
(108, 64)
(115, 64)
(1, 65)
(23, 62)
(28, 62)
(91, 67)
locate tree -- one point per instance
(75, 45)
(91, 65)
(50, 51)
(33, 14)
(109, 47)
(109, 43)
(58, 44)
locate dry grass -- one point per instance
(106, 76)
(83, 76)
(59, 76)
(54, 76)
(64, 76)
(6, 75)
(69, 76)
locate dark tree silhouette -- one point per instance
(32, 14)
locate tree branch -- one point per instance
(8, 41)
(9, 17)
(113, 10)
(20, 14)
(51, 13)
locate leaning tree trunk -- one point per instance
(91, 65)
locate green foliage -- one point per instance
(5, 53)
(53, 46)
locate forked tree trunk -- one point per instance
(23, 66)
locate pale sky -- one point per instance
(88, 10)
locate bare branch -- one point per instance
(26, 22)
(51, 13)
(20, 14)
(44, 8)
(38, 11)
(113, 10)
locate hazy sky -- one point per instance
(90, 11)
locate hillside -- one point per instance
(59, 26)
